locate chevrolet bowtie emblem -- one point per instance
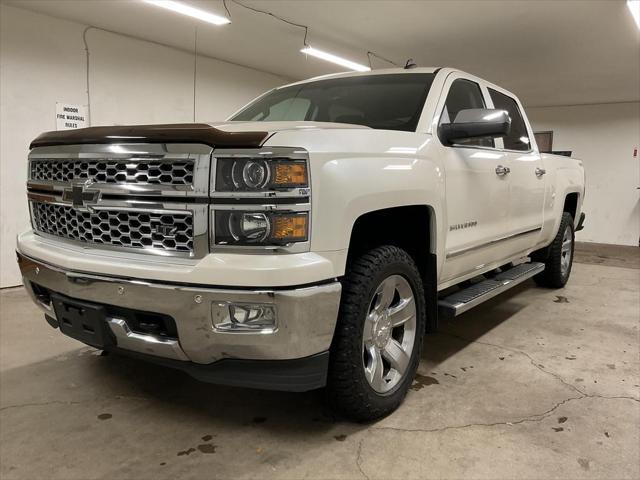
(80, 196)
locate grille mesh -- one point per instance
(161, 172)
(133, 229)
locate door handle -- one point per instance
(540, 171)
(502, 170)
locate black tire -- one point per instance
(349, 392)
(554, 275)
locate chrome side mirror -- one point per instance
(475, 123)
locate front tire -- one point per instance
(559, 259)
(378, 339)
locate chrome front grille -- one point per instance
(133, 170)
(162, 231)
(137, 198)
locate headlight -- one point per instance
(260, 174)
(256, 228)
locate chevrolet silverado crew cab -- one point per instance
(308, 242)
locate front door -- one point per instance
(476, 193)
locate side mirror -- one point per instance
(476, 123)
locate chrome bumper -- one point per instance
(306, 317)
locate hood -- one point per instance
(273, 127)
(221, 134)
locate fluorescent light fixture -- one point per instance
(634, 8)
(329, 57)
(185, 9)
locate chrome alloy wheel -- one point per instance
(566, 251)
(389, 334)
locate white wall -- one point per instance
(604, 137)
(42, 61)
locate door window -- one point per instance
(464, 94)
(544, 140)
(518, 138)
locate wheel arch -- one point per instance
(571, 200)
(410, 227)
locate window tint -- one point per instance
(387, 101)
(296, 107)
(464, 94)
(518, 138)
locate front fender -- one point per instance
(354, 172)
(347, 188)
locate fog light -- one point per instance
(244, 317)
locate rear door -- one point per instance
(526, 176)
(476, 196)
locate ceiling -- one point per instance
(548, 52)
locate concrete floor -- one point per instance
(534, 384)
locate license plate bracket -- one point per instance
(82, 320)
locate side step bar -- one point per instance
(465, 299)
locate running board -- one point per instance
(463, 300)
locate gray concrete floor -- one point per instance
(534, 384)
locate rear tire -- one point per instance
(378, 339)
(559, 258)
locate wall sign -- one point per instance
(70, 117)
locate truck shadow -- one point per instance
(119, 384)
(455, 334)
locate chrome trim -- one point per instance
(462, 251)
(266, 153)
(501, 170)
(306, 316)
(199, 213)
(200, 154)
(149, 344)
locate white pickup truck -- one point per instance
(310, 241)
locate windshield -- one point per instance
(388, 101)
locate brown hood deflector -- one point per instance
(169, 133)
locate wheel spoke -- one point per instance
(396, 356)
(375, 374)
(367, 329)
(566, 246)
(387, 291)
(402, 312)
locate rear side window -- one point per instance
(518, 138)
(463, 95)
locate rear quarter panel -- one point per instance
(565, 175)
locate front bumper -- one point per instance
(306, 317)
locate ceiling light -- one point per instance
(184, 9)
(329, 57)
(634, 8)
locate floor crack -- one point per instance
(40, 404)
(68, 402)
(538, 417)
(521, 352)
(359, 459)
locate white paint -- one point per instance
(604, 137)
(70, 117)
(42, 61)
